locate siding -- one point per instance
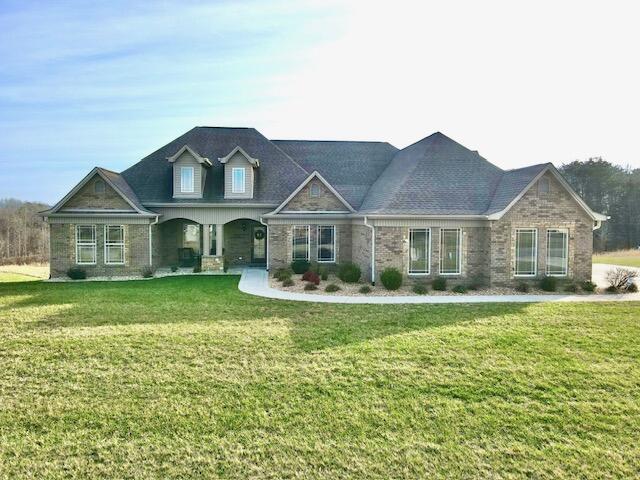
(211, 215)
(199, 174)
(238, 161)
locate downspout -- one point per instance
(373, 250)
(267, 240)
(151, 242)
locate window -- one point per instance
(326, 243)
(450, 251)
(114, 244)
(543, 185)
(99, 186)
(526, 252)
(557, 252)
(187, 184)
(237, 180)
(301, 242)
(86, 244)
(314, 190)
(419, 251)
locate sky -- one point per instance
(86, 84)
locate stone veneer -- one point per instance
(211, 263)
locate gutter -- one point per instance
(151, 241)
(267, 240)
(373, 250)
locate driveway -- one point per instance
(599, 273)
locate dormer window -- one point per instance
(238, 180)
(186, 179)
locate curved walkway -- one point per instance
(256, 282)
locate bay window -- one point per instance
(419, 251)
(450, 251)
(526, 252)
(557, 252)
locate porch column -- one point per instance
(206, 239)
(219, 239)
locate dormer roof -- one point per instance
(186, 148)
(253, 161)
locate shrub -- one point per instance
(621, 278)
(310, 286)
(147, 272)
(332, 287)
(391, 278)
(77, 273)
(571, 288)
(174, 268)
(365, 289)
(420, 289)
(439, 284)
(460, 289)
(611, 289)
(299, 266)
(197, 269)
(548, 284)
(282, 274)
(522, 287)
(287, 282)
(311, 277)
(349, 272)
(632, 288)
(324, 274)
(588, 286)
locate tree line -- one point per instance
(24, 236)
(611, 190)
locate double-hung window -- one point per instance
(187, 181)
(526, 252)
(237, 180)
(450, 251)
(114, 244)
(326, 243)
(557, 252)
(419, 251)
(86, 244)
(301, 242)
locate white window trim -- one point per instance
(114, 244)
(293, 238)
(459, 263)
(565, 231)
(86, 244)
(186, 188)
(428, 272)
(234, 187)
(535, 254)
(333, 227)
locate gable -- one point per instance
(187, 159)
(325, 201)
(87, 197)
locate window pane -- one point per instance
(186, 178)
(115, 254)
(300, 243)
(86, 254)
(419, 251)
(450, 251)
(325, 243)
(526, 246)
(115, 234)
(86, 234)
(238, 180)
(557, 252)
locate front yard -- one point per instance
(627, 258)
(188, 377)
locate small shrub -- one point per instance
(310, 286)
(439, 284)
(621, 278)
(174, 268)
(287, 282)
(548, 284)
(588, 286)
(420, 289)
(324, 274)
(391, 278)
(282, 274)
(299, 266)
(571, 288)
(332, 287)
(147, 272)
(364, 289)
(632, 288)
(611, 289)
(197, 269)
(349, 272)
(460, 289)
(522, 287)
(311, 277)
(77, 273)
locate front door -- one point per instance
(259, 244)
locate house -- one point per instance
(230, 195)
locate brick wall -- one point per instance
(87, 197)
(63, 251)
(326, 201)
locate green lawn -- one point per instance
(187, 377)
(15, 277)
(625, 258)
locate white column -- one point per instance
(206, 239)
(219, 239)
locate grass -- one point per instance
(186, 377)
(625, 258)
(23, 273)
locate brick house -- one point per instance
(230, 195)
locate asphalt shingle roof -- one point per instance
(123, 186)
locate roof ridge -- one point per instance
(331, 141)
(282, 151)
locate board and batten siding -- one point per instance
(238, 161)
(199, 174)
(211, 216)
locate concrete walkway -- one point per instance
(256, 282)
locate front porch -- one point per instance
(187, 244)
